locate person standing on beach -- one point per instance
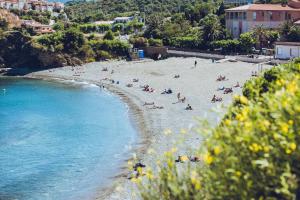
(178, 96)
(195, 64)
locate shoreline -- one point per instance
(150, 124)
(136, 116)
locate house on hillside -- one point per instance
(287, 50)
(238, 2)
(38, 5)
(123, 19)
(37, 27)
(244, 18)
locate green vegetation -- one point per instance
(42, 17)
(252, 154)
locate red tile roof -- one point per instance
(263, 7)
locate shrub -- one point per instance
(228, 46)
(185, 42)
(252, 154)
(138, 42)
(155, 42)
(109, 35)
(247, 41)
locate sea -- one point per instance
(60, 140)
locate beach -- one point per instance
(161, 124)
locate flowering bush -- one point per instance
(252, 154)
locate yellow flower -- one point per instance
(248, 126)
(208, 159)
(284, 127)
(243, 100)
(227, 122)
(240, 117)
(255, 147)
(290, 122)
(195, 180)
(293, 146)
(292, 87)
(183, 131)
(173, 150)
(217, 150)
(276, 136)
(238, 173)
(266, 123)
(288, 151)
(266, 149)
(149, 174)
(167, 131)
(136, 180)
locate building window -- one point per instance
(254, 16)
(236, 15)
(245, 16)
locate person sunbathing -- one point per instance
(228, 90)
(188, 107)
(176, 76)
(237, 84)
(105, 69)
(183, 100)
(215, 99)
(182, 159)
(194, 159)
(135, 80)
(157, 107)
(129, 85)
(148, 103)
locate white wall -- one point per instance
(287, 52)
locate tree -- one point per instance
(72, 40)
(260, 34)
(154, 26)
(211, 28)
(109, 35)
(247, 41)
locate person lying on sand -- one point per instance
(254, 73)
(169, 91)
(148, 104)
(135, 80)
(137, 165)
(104, 69)
(237, 85)
(194, 159)
(157, 107)
(228, 90)
(182, 159)
(221, 78)
(177, 76)
(215, 99)
(188, 107)
(129, 85)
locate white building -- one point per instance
(287, 50)
(123, 19)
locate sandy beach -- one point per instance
(197, 84)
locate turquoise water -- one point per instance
(60, 141)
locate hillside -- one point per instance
(102, 9)
(11, 19)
